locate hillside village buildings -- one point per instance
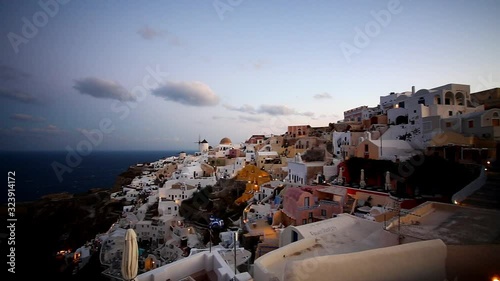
(299, 193)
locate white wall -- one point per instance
(297, 172)
(187, 266)
(425, 260)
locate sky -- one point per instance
(161, 75)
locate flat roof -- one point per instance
(340, 235)
(454, 224)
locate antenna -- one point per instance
(397, 207)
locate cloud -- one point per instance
(274, 110)
(104, 89)
(244, 108)
(216, 117)
(18, 96)
(149, 33)
(8, 73)
(188, 93)
(260, 64)
(277, 110)
(324, 95)
(249, 118)
(26, 117)
(308, 114)
(50, 130)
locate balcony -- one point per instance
(308, 207)
(328, 202)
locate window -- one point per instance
(304, 221)
(471, 123)
(450, 113)
(366, 148)
(306, 202)
(310, 214)
(323, 212)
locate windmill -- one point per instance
(202, 145)
(199, 140)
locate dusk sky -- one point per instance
(156, 75)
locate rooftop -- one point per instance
(454, 224)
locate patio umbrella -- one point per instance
(387, 180)
(130, 256)
(340, 177)
(362, 182)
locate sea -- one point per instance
(35, 174)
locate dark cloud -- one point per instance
(49, 130)
(308, 114)
(249, 118)
(324, 95)
(149, 33)
(260, 65)
(8, 73)
(26, 117)
(18, 96)
(216, 117)
(244, 108)
(188, 93)
(277, 110)
(104, 89)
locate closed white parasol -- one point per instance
(130, 257)
(387, 181)
(362, 182)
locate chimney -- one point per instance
(368, 135)
(412, 90)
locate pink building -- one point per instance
(308, 204)
(298, 131)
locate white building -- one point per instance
(208, 265)
(301, 172)
(250, 152)
(419, 113)
(225, 145)
(177, 191)
(168, 207)
(350, 248)
(232, 168)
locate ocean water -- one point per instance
(35, 175)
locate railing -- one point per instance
(328, 202)
(470, 188)
(308, 207)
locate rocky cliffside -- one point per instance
(60, 222)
